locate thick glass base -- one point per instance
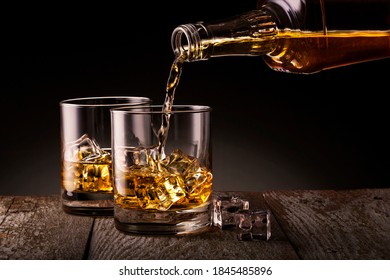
(88, 204)
(173, 222)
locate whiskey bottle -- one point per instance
(293, 36)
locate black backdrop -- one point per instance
(270, 130)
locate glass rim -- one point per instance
(89, 101)
(158, 109)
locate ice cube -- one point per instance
(86, 167)
(85, 149)
(224, 208)
(199, 183)
(253, 224)
(131, 157)
(243, 222)
(152, 183)
(169, 189)
(261, 228)
(179, 163)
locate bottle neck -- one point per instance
(251, 33)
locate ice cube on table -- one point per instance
(253, 224)
(224, 209)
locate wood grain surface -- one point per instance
(329, 224)
(306, 224)
(109, 243)
(37, 228)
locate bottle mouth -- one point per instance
(186, 41)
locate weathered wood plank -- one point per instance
(37, 228)
(109, 243)
(329, 224)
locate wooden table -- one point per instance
(306, 224)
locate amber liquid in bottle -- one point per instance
(306, 52)
(301, 51)
(307, 37)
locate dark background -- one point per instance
(270, 130)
